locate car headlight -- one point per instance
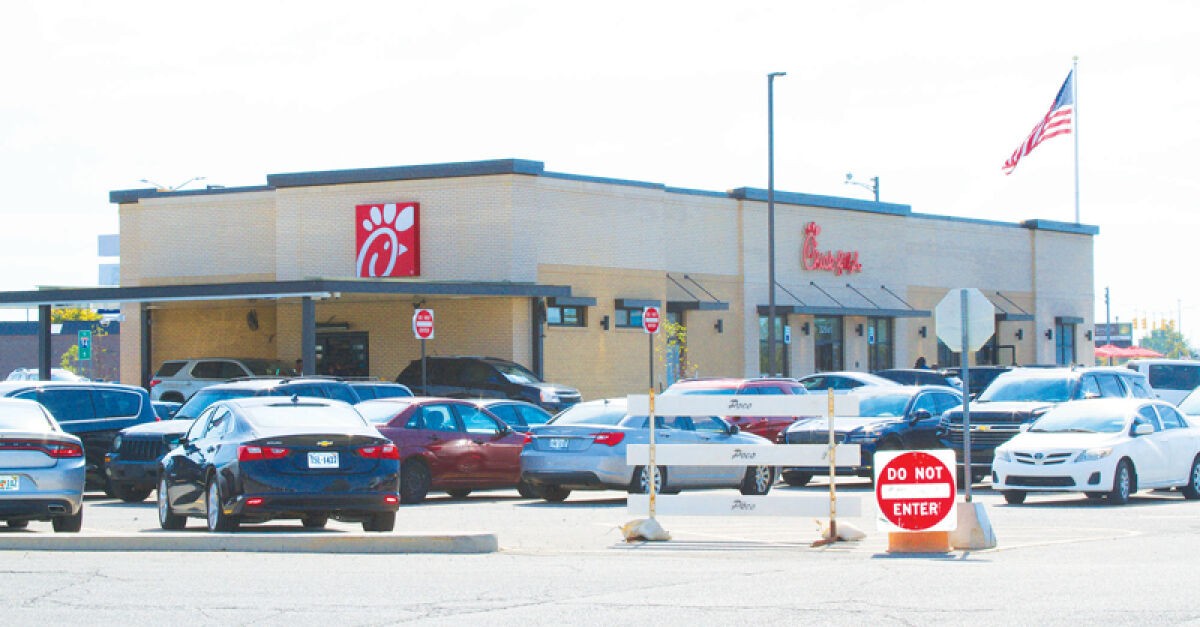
(1003, 455)
(549, 396)
(1093, 454)
(117, 443)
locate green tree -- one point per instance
(1169, 342)
(58, 316)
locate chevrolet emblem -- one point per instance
(985, 427)
(324, 443)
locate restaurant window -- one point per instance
(782, 367)
(628, 317)
(879, 344)
(343, 354)
(1064, 343)
(566, 316)
(827, 343)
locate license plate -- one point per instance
(323, 460)
(9, 483)
(557, 443)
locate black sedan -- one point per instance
(257, 459)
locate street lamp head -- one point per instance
(849, 176)
(774, 74)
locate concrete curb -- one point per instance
(251, 542)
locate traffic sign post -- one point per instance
(422, 324)
(965, 319)
(650, 324)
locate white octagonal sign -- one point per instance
(980, 319)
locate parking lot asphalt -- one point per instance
(1060, 559)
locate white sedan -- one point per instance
(1103, 447)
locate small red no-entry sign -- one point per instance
(650, 319)
(915, 490)
(423, 324)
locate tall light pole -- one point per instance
(771, 221)
(873, 186)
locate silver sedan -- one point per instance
(41, 468)
(583, 448)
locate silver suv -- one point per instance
(178, 379)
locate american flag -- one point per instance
(1058, 121)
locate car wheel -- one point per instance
(526, 489)
(17, 524)
(458, 493)
(382, 522)
(1124, 482)
(218, 520)
(414, 482)
(126, 492)
(554, 493)
(314, 522)
(166, 518)
(1014, 497)
(1191, 491)
(68, 524)
(797, 479)
(758, 480)
(639, 483)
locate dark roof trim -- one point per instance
(846, 311)
(697, 305)
(317, 288)
(406, 173)
(634, 303)
(599, 179)
(1005, 316)
(573, 301)
(814, 200)
(1068, 320)
(1062, 227)
(133, 195)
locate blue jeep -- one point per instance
(93, 412)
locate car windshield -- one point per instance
(24, 417)
(1083, 418)
(1056, 390)
(202, 399)
(1191, 404)
(515, 373)
(386, 391)
(700, 391)
(883, 405)
(608, 415)
(268, 368)
(301, 414)
(380, 411)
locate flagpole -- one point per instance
(1075, 98)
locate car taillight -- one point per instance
(384, 451)
(528, 439)
(57, 450)
(391, 500)
(254, 502)
(63, 451)
(154, 382)
(253, 453)
(611, 438)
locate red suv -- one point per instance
(447, 444)
(766, 426)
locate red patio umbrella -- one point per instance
(1108, 351)
(1138, 351)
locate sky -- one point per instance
(931, 97)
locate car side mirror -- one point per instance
(182, 441)
(734, 429)
(1143, 428)
(920, 414)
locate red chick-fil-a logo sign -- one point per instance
(814, 259)
(388, 240)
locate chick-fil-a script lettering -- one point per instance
(835, 262)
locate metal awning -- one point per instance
(846, 300)
(310, 288)
(1008, 311)
(688, 300)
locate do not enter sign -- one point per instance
(650, 319)
(423, 324)
(915, 490)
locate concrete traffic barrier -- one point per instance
(251, 542)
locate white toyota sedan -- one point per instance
(1108, 447)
